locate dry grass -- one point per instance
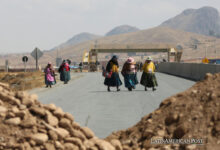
(23, 80)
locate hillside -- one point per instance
(121, 30)
(158, 35)
(204, 21)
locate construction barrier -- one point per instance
(191, 71)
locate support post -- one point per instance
(89, 60)
(36, 60)
(168, 56)
(6, 65)
(175, 57)
(25, 66)
(96, 61)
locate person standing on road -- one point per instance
(112, 78)
(49, 75)
(64, 71)
(129, 72)
(148, 78)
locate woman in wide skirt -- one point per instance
(64, 71)
(129, 72)
(49, 75)
(112, 78)
(148, 78)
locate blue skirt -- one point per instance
(130, 80)
(113, 81)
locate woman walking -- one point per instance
(64, 71)
(112, 78)
(148, 78)
(49, 75)
(129, 72)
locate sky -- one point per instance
(26, 24)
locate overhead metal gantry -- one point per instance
(171, 51)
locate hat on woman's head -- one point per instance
(130, 60)
(49, 63)
(149, 58)
(114, 57)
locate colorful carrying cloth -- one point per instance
(113, 81)
(49, 76)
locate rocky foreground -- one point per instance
(193, 115)
(26, 124)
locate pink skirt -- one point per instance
(50, 78)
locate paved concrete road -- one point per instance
(87, 99)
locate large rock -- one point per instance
(70, 146)
(103, 145)
(59, 113)
(88, 143)
(75, 141)
(78, 134)
(53, 135)
(13, 121)
(21, 95)
(27, 101)
(29, 121)
(49, 146)
(50, 107)
(88, 132)
(38, 111)
(116, 144)
(40, 138)
(52, 120)
(58, 145)
(3, 109)
(69, 116)
(62, 132)
(65, 123)
(12, 100)
(21, 114)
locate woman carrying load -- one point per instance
(129, 72)
(148, 78)
(49, 75)
(64, 71)
(112, 78)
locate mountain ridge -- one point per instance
(121, 30)
(205, 20)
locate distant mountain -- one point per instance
(122, 29)
(154, 37)
(79, 38)
(205, 20)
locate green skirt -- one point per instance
(65, 76)
(148, 80)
